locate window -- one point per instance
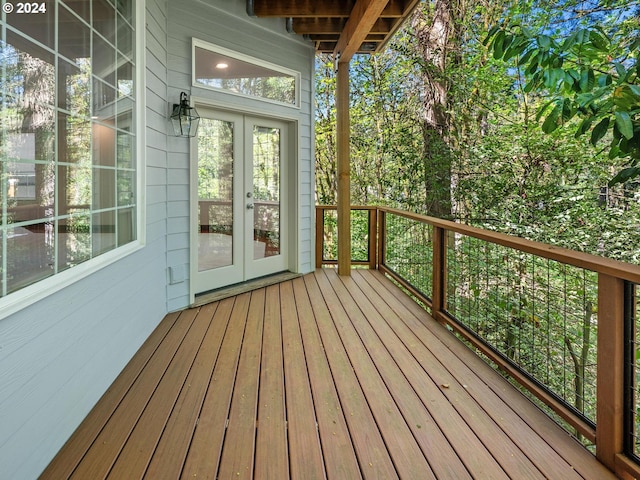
(220, 69)
(68, 172)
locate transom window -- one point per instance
(220, 69)
(67, 137)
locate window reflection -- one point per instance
(74, 241)
(29, 254)
(126, 226)
(220, 71)
(103, 232)
(125, 78)
(74, 189)
(29, 79)
(74, 139)
(104, 19)
(266, 191)
(74, 86)
(40, 26)
(81, 7)
(74, 36)
(215, 194)
(104, 188)
(124, 120)
(104, 60)
(68, 176)
(104, 145)
(125, 36)
(126, 187)
(125, 154)
(104, 97)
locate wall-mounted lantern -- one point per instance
(184, 118)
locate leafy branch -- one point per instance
(586, 75)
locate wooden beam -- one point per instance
(332, 37)
(327, 26)
(315, 8)
(310, 26)
(360, 24)
(343, 135)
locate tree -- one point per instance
(437, 27)
(325, 126)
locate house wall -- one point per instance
(225, 23)
(59, 355)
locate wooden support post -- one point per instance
(438, 274)
(610, 377)
(344, 187)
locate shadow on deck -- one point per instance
(317, 377)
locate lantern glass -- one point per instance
(184, 118)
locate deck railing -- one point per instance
(563, 324)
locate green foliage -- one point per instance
(507, 174)
(590, 74)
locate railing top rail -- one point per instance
(353, 207)
(588, 261)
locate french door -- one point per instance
(239, 199)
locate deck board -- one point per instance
(339, 455)
(203, 458)
(407, 456)
(142, 442)
(373, 456)
(398, 368)
(170, 454)
(321, 377)
(239, 447)
(306, 451)
(470, 367)
(271, 442)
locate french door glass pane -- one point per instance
(215, 194)
(266, 191)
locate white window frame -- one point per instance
(20, 299)
(248, 59)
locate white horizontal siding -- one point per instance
(59, 355)
(226, 24)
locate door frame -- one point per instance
(293, 211)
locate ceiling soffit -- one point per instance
(340, 27)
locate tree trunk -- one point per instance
(437, 30)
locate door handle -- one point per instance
(249, 206)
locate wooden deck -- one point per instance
(317, 377)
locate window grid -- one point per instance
(114, 197)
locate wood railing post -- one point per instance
(610, 377)
(382, 238)
(373, 239)
(319, 236)
(438, 275)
